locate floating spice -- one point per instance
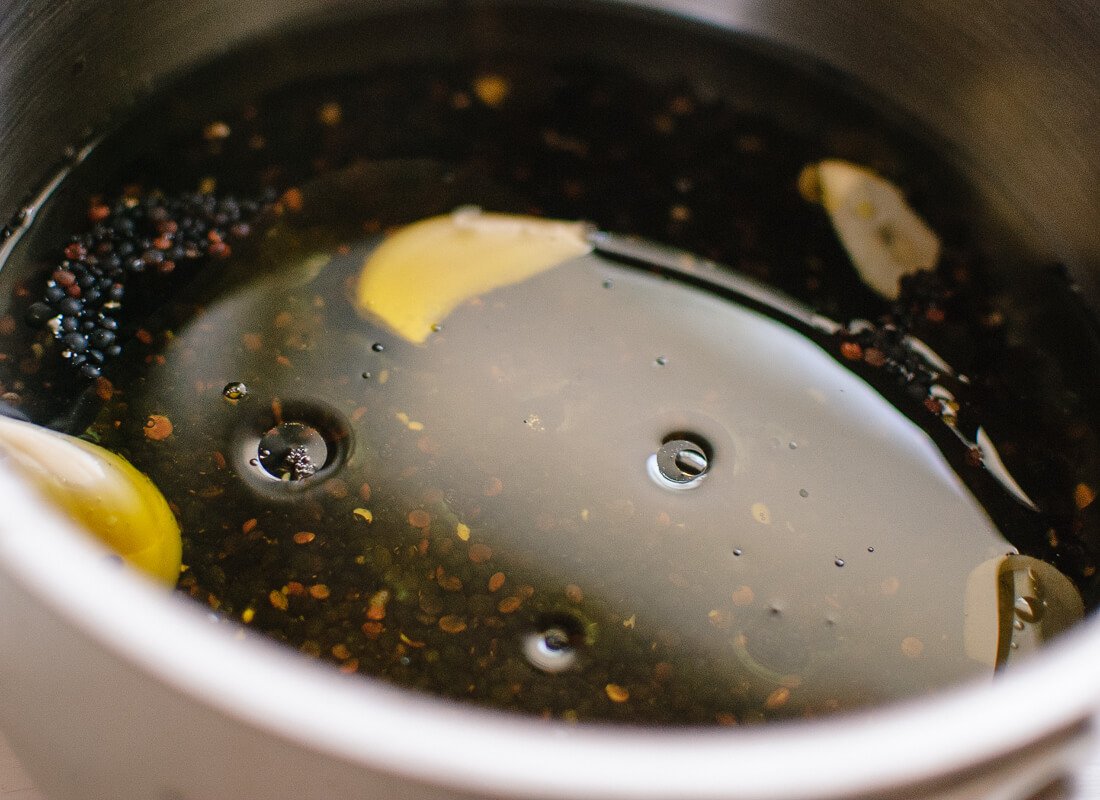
(452, 624)
(616, 693)
(157, 428)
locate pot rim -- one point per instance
(435, 741)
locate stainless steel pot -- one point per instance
(125, 693)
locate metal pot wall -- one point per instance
(125, 693)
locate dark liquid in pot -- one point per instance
(479, 516)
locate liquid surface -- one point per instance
(610, 484)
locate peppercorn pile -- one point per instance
(133, 241)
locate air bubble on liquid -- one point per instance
(737, 551)
(1028, 609)
(235, 391)
(679, 464)
(661, 361)
(378, 347)
(803, 493)
(839, 562)
(553, 647)
(793, 445)
(292, 451)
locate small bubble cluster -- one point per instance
(137, 237)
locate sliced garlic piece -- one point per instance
(418, 276)
(99, 491)
(885, 238)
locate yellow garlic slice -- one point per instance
(100, 492)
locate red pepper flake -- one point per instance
(743, 596)
(304, 537)
(319, 591)
(373, 629)
(143, 336)
(219, 250)
(104, 389)
(75, 252)
(98, 212)
(278, 600)
(249, 525)
(874, 357)
(1083, 495)
(933, 405)
(419, 518)
(616, 693)
(496, 580)
(851, 351)
(64, 277)
(725, 719)
(157, 428)
(452, 623)
(494, 487)
(974, 457)
(336, 489)
(778, 698)
(295, 589)
(480, 553)
(509, 604)
(450, 583)
(364, 491)
(292, 199)
(912, 647)
(216, 130)
(574, 593)
(219, 459)
(283, 318)
(934, 314)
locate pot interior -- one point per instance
(967, 150)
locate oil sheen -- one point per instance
(440, 419)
